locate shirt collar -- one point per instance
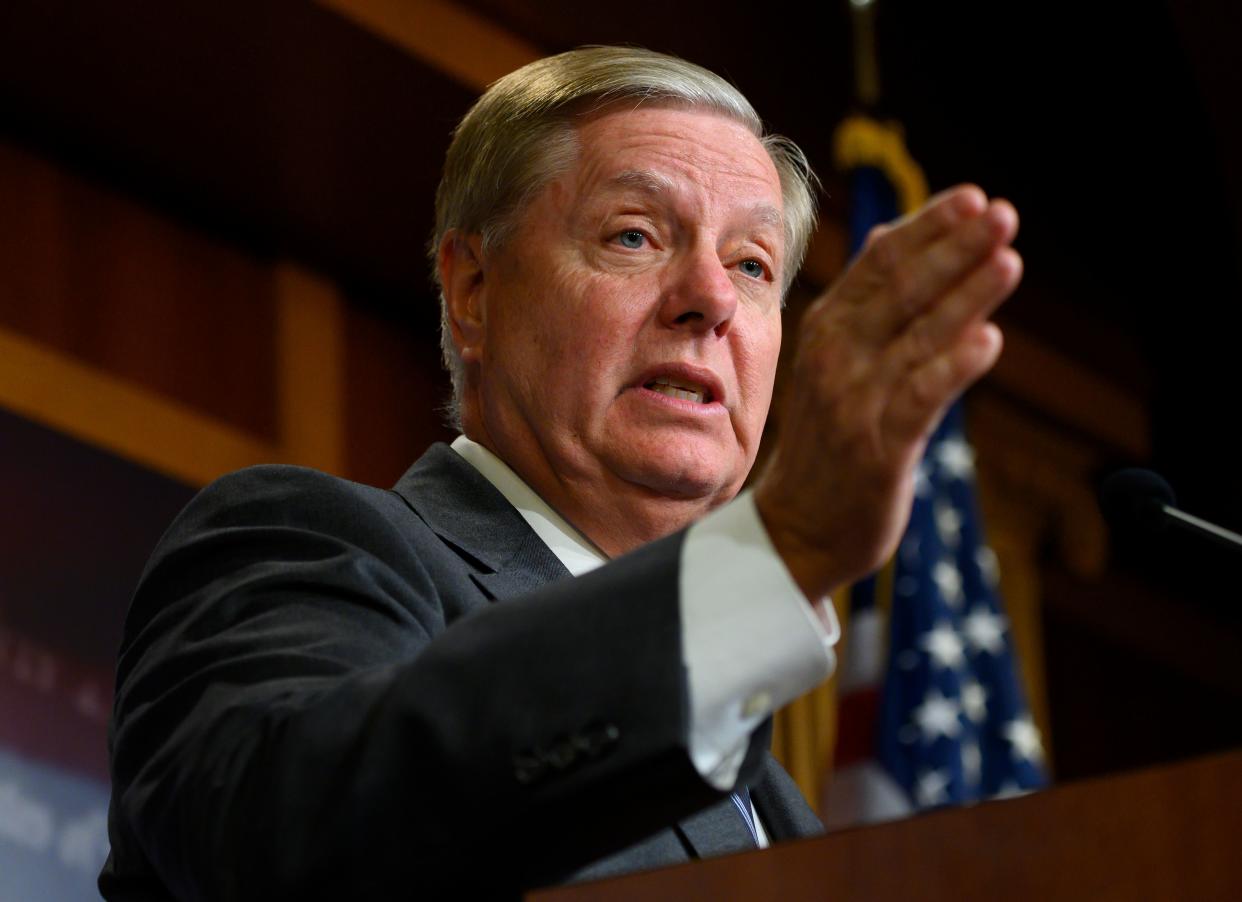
(573, 549)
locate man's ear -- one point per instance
(460, 262)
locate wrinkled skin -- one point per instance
(659, 253)
(880, 357)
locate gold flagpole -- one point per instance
(866, 64)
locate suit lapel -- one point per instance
(718, 830)
(781, 806)
(530, 566)
(471, 516)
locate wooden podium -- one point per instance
(1171, 833)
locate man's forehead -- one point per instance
(649, 147)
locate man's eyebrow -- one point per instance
(768, 215)
(646, 181)
(643, 180)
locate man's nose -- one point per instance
(699, 294)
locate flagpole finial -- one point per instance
(866, 63)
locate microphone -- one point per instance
(1144, 498)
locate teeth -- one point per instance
(696, 397)
(681, 390)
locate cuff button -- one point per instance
(757, 705)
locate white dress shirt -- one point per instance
(750, 641)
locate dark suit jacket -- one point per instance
(318, 695)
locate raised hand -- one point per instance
(880, 357)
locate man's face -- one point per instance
(632, 321)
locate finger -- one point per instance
(924, 396)
(920, 279)
(929, 222)
(975, 299)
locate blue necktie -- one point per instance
(741, 801)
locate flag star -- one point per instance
(985, 631)
(938, 716)
(972, 763)
(974, 701)
(922, 480)
(955, 457)
(989, 566)
(1023, 736)
(948, 580)
(932, 788)
(943, 645)
(948, 523)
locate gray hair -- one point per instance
(519, 136)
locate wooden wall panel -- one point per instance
(117, 286)
(48, 387)
(396, 390)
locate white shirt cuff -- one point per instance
(750, 640)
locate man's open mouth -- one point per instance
(676, 388)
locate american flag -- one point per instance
(953, 725)
(931, 710)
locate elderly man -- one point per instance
(550, 652)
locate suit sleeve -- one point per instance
(295, 714)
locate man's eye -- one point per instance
(752, 268)
(632, 239)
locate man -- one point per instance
(551, 651)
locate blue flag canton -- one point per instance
(954, 726)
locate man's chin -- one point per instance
(682, 474)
